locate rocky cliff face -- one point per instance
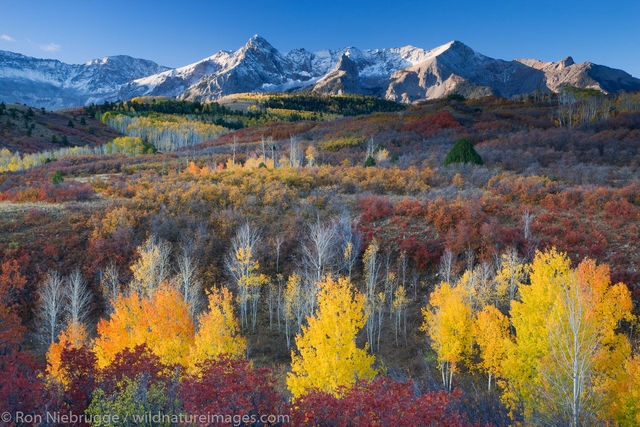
(406, 74)
(456, 66)
(585, 75)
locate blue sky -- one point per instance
(177, 33)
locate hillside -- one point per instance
(265, 195)
(30, 130)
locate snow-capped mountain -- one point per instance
(456, 67)
(259, 67)
(53, 84)
(404, 74)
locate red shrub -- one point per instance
(132, 362)
(413, 208)
(620, 212)
(44, 191)
(21, 389)
(12, 289)
(490, 126)
(380, 402)
(375, 208)
(422, 253)
(80, 368)
(445, 215)
(432, 124)
(230, 387)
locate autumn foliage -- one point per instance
(160, 321)
(12, 286)
(327, 357)
(465, 291)
(558, 355)
(379, 402)
(229, 385)
(219, 332)
(429, 125)
(73, 337)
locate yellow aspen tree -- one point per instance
(348, 256)
(380, 299)
(243, 266)
(170, 326)
(310, 156)
(121, 330)
(479, 286)
(457, 180)
(509, 277)
(327, 356)
(371, 270)
(491, 332)
(219, 332)
(529, 318)
(152, 266)
(587, 350)
(295, 306)
(448, 323)
(567, 349)
(624, 408)
(399, 309)
(75, 336)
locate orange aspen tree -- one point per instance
(161, 321)
(75, 336)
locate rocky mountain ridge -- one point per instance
(405, 74)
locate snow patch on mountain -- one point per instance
(404, 74)
(53, 84)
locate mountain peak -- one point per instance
(97, 61)
(454, 46)
(405, 73)
(347, 64)
(566, 62)
(258, 41)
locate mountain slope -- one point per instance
(454, 64)
(53, 84)
(406, 74)
(259, 67)
(31, 130)
(585, 75)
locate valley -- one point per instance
(381, 221)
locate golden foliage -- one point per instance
(161, 321)
(625, 399)
(327, 356)
(543, 364)
(449, 326)
(491, 332)
(218, 331)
